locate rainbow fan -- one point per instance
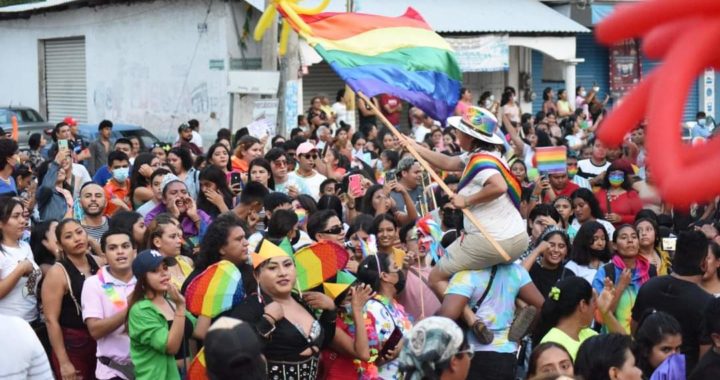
(318, 263)
(215, 290)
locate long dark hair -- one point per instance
(141, 289)
(589, 198)
(265, 164)
(41, 254)
(216, 237)
(156, 228)
(185, 158)
(125, 221)
(212, 150)
(366, 206)
(561, 304)
(137, 179)
(58, 233)
(368, 269)
(652, 328)
(215, 175)
(581, 252)
(7, 205)
(600, 353)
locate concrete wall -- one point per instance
(142, 63)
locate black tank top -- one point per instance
(71, 310)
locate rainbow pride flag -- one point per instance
(401, 56)
(482, 161)
(551, 159)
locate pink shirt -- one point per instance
(97, 302)
(415, 289)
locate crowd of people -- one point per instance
(584, 273)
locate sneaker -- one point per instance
(482, 333)
(521, 324)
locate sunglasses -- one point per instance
(334, 230)
(309, 156)
(469, 352)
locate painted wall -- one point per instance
(147, 63)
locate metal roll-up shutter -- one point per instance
(595, 67)
(538, 83)
(65, 79)
(692, 105)
(321, 80)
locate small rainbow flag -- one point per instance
(401, 56)
(551, 159)
(481, 161)
(215, 290)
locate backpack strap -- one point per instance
(487, 289)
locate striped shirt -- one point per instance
(97, 232)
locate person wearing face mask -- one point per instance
(389, 318)
(572, 171)
(510, 111)
(487, 101)
(580, 94)
(618, 201)
(117, 189)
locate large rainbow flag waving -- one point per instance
(401, 56)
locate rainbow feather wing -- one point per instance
(215, 290)
(319, 262)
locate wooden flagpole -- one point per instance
(436, 177)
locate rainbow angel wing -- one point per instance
(215, 290)
(318, 263)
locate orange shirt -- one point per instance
(114, 191)
(239, 165)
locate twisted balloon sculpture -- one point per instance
(684, 35)
(290, 10)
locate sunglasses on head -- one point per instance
(333, 231)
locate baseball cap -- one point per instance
(183, 127)
(431, 341)
(70, 121)
(148, 260)
(305, 148)
(231, 348)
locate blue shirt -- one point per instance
(102, 175)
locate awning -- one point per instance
(600, 11)
(463, 16)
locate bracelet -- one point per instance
(180, 316)
(534, 198)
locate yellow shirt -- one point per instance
(556, 335)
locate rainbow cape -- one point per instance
(401, 56)
(481, 161)
(215, 290)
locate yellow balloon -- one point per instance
(284, 37)
(297, 21)
(310, 11)
(264, 22)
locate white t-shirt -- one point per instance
(18, 302)
(589, 170)
(307, 185)
(499, 216)
(583, 271)
(26, 359)
(340, 111)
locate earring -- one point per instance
(259, 294)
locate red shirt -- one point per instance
(393, 102)
(627, 205)
(567, 191)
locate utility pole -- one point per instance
(289, 70)
(270, 44)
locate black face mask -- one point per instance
(400, 285)
(597, 252)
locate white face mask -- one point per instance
(583, 93)
(488, 103)
(514, 99)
